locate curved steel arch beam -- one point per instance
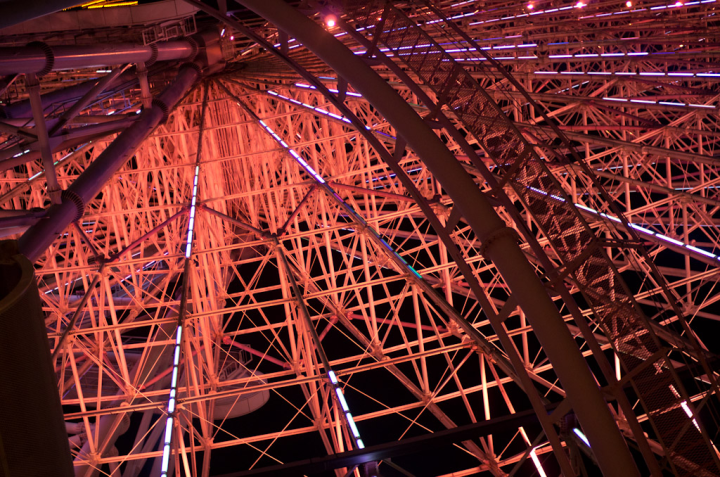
(501, 141)
(498, 245)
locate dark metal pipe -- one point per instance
(99, 87)
(34, 242)
(16, 155)
(142, 75)
(36, 58)
(34, 155)
(34, 441)
(409, 446)
(53, 187)
(17, 221)
(22, 109)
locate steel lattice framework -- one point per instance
(274, 274)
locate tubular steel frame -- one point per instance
(323, 240)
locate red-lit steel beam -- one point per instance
(41, 59)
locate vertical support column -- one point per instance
(144, 85)
(166, 464)
(53, 187)
(33, 438)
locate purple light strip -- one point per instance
(191, 223)
(323, 112)
(293, 153)
(628, 73)
(663, 103)
(582, 437)
(580, 5)
(580, 206)
(534, 57)
(171, 406)
(349, 93)
(639, 228)
(164, 466)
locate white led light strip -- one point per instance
(580, 5)
(689, 414)
(662, 103)
(191, 223)
(629, 73)
(171, 405)
(533, 454)
(343, 404)
(172, 399)
(643, 230)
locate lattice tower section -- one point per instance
(289, 212)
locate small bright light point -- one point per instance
(628, 4)
(679, 4)
(232, 37)
(579, 5)
(330, 21)
(222, 33)
(530, 6)
(582, 437)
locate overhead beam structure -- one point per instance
(370, 237)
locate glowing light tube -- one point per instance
(538, 466)
(292, 42)
(346, 410)
(349, 93)
(631, 73)
(662, 103)
(324, 112)
(580, 5)
(171, 405)
(639, 228)
(582, 437)
(191, 223)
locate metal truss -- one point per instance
(275, 275)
